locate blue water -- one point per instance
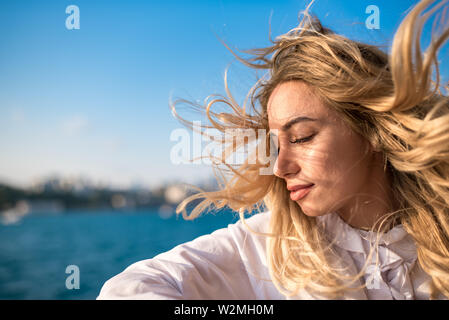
(35, 252)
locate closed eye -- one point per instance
(302, 140)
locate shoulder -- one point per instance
(237, 240)
(198, 268)
(248, 235)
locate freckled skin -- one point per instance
(341, 163)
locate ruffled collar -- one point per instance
(352, 239)
(387, 275)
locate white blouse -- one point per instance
(230, 264)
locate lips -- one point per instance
(299, 186)
(299, 191)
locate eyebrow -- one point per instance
(290, 123)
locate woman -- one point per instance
(357, 207)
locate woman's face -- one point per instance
(323, 151)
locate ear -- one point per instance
(375, 146)
(375, 149)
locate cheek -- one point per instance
(336, 161)
(347, 163)
(324, 160)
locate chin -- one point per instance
(311, 212)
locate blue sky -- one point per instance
(94, 101)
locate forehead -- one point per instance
(293, 99)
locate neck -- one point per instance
(376, 201)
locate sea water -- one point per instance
(36, 251)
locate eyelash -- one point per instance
(302, 140)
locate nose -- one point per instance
(285, 165)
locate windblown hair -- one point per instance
(395, 101)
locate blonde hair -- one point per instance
(391, 100)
